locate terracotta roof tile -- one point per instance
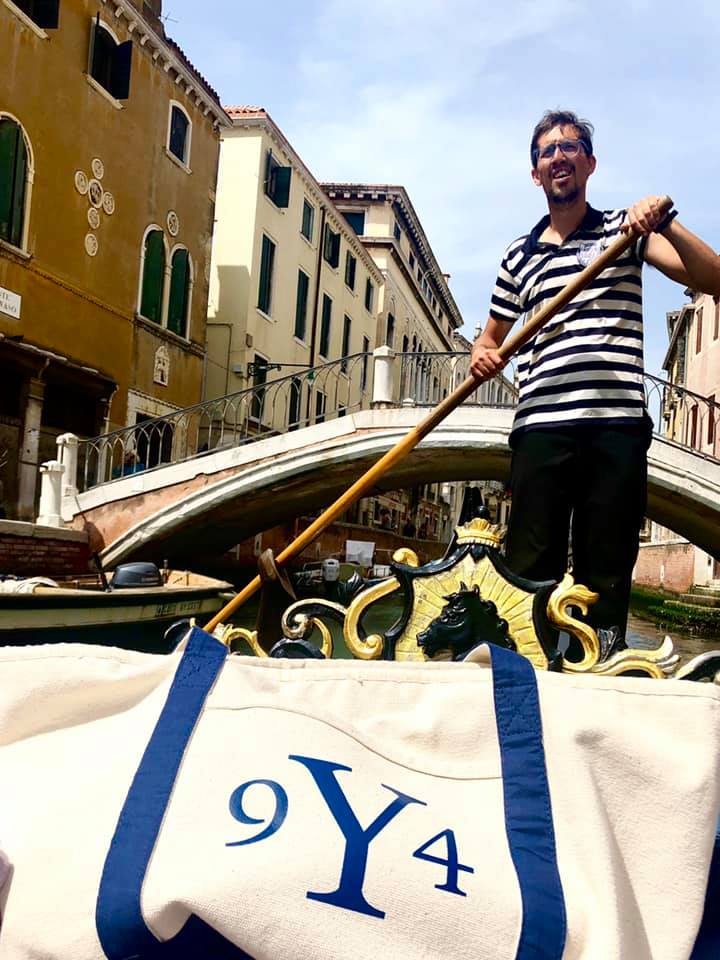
(192, 68)
(246, 111)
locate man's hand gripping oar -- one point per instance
(363, 486)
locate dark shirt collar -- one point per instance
(592, 219)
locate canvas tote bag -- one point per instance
(203, 806)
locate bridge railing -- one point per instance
(426, 378)
(683, 417)
(266, 409)
(343, 386)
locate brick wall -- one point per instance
(28, 550)
(667, 566)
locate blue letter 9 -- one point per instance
(278, 817)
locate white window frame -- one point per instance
(183, 164)
(29, 180)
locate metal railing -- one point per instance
(427, 378)
(345, 386)
(684, 418)
(263, 410)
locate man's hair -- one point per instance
(561, 118)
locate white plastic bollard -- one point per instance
(51, 474)
(383, 359)
(67, 444)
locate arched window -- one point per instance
(13, 181)
(179, 134)
(180, 279)
(153, 276)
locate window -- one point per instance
(259, 379)
(412, 260)
(295, 402)
(13, 181)
(711, 419)
(324, 348)
(405, 344)
(390, 331)
(308, 220)
(44, 13)
(277, 181)
(179, 302)
(356, 221)
(266, 274)
(320, 404)
(698, 329)
(716, 326)
(179, 134)
(369, 294)
(397, 232)
(364, 369)
(350, 265)
(693, 426)
(331, 246)
(153, 276)
(301, 303)
(347, 324)
(110, 62)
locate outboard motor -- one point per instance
(135, 575)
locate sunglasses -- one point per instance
(568, 148)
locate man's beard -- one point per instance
(565, 199)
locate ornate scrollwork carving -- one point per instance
(569, 593)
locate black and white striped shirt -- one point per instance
(587, 363)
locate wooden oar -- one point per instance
(368, 480)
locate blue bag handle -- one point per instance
(707, 945)
(121, 929)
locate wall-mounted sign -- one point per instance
(10, 303)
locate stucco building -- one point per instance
(692, 418)
(291, 285)
(108, 159)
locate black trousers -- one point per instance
(598, 477)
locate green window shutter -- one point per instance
(179, 292)
(350, 265)
(281, 194)
(307, 221)
(270, 165)
(325, 326)
(347, 324)
(266, 269)
(153, 277)
(368, 295)
(8, 140)
(301, 305)
(13, 177)
(120, 70)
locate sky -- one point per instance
(441, 96)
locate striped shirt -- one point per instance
(586, 364)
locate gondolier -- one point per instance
(581, 430)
